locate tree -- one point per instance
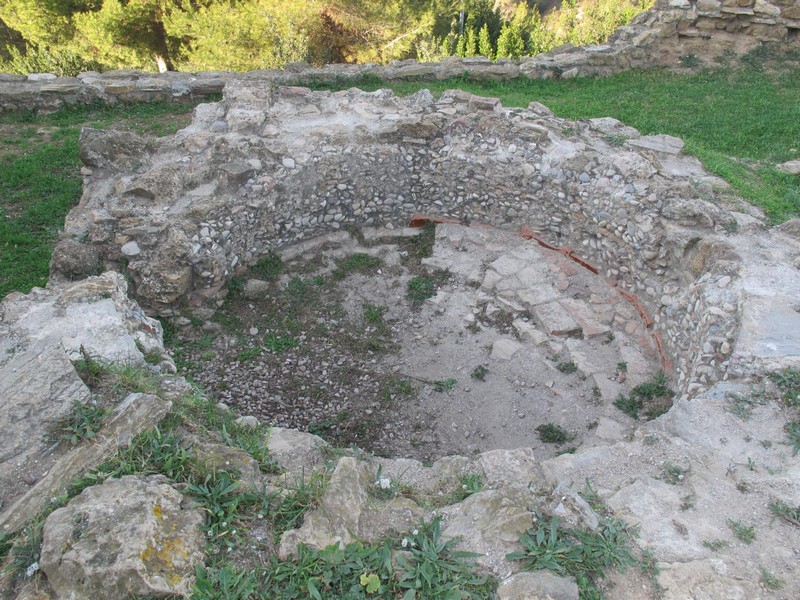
(485, 43)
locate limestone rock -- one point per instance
(792, 167)
(346, 513)
(74, 260)
(505, 349)
(296, 451)
(126, 537)
(537, 585)
(490, 523)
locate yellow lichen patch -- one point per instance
(166, 557)
(157, 512)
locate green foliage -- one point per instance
(715, 545)
(268, 267)
(359, 262)
(224, 583)
(788, 382)
(286, 511)
(781, 509)
(82, 423)
(674, 474)
(42, 59)
(254, 441)
(220, 497)
(279, 344)
(550, 433)
(587, 556)
(770, 581)
(745, 533)
(444, 385)
(419, 289)
(479, 372)
(652, 399)
(567, 367)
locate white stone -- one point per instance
(505, 349)
(131, 249)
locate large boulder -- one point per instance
(126, 537)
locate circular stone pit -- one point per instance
(518, 342)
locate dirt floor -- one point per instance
(406, 347)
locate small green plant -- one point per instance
(567, 367)
(585, 555)
(224, 583)
(786, 512)
(359, 262)
(744, 533)
(742, 406)
(384, 488)
(716, 545)
(622, 367)
(788, 382)
(431, 568)
(770, 581)
(444, 385)
(23, 553)
(479, 373)
(252, 440)
(395, 387)
(551, 433)
(674, 474)
(286, 512)
(374, 315)
(278, 344)
(249, 354)
(652, 399)
(82, 423)
(220, 497)
(152, 356)
(268, 268)
(419, 289)
(90, 369)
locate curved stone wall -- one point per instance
(664, 36)
(268, 167)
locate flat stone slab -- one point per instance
(660, 143)
(555, 319)
(505, 349)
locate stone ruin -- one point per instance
(713, 292)
(278, 168)
(670, 34)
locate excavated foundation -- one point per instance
(270, 167)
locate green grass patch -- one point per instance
(550, 433)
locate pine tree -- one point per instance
(485, 43)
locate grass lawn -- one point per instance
(739, 121)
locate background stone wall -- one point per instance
(673, 33)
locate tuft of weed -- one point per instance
(419, 289)
(786, 512)
(550, 433)
(585, 555)
(567, 367)
(674, 474)
(279, 344)
(769, 580)
(359, 262)
(82, 423)
(479, 372)
(254, 441)
(268, 268)
(285, 512)
(444, 385)
(652, 399)
(224, 583)
(716, 545)
(744, 533)
(792, 429)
